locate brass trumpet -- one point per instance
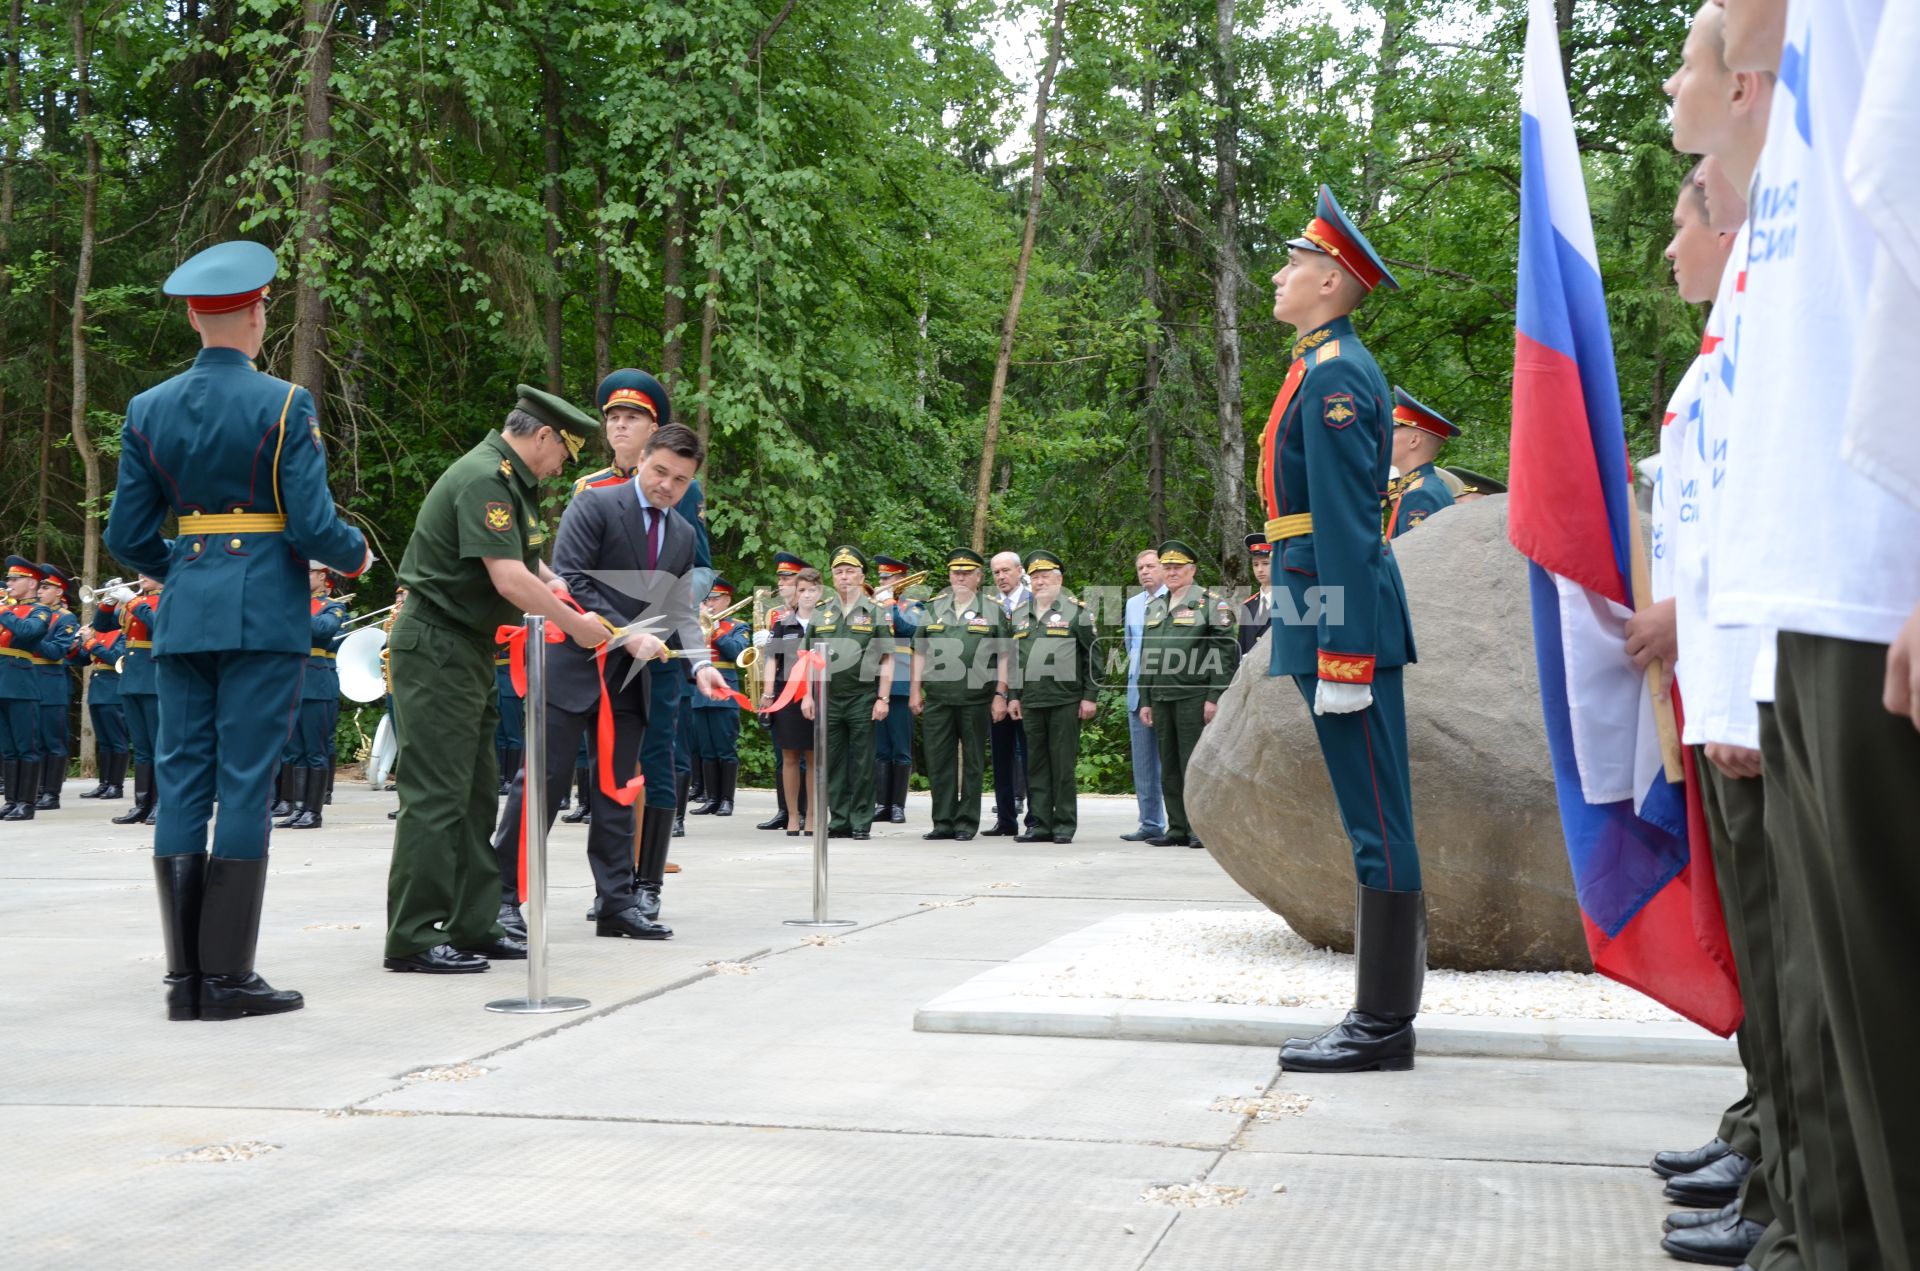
(114, 591)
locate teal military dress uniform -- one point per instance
(1340, 621)
(860, 643)
(959, 654)
(236, 456)
(1189, 650)
(893, 736)
(1414, 496)
(23, 624)
(139, 694)
(50, 663)
(319, 713)
(716, 720)
(102, 652)
(1053, 674)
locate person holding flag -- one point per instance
(1341, 628)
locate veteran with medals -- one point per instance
(1053, 694)
(959, 683)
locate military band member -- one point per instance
(786, 570)
(472, 566)
(1254, 609)
(716, 720)
(23, 624)
(960, 667)
(221, 435)
(1188, 653)
(1341, 628)
(860, 642)
(1419, 433)
(101, 651)
(1053, 692)
(319, 704)
(893, 736)
(50, 661)
(139, 694)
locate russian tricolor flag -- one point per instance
(1652, 915)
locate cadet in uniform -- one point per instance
(1323, 473)
(1419, 491)
(1189, 650)
(959, 682)
(56, 698)
(1052, 694)
(716, 720)
(139, 694)
(319, 704)
(102, 650)
(237, 456)
(860, 642)
(893, 736)
(472, 566)
(1254, 609)
(23, 622)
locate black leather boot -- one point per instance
(142, 796)
(313, 790)
(728, 772)
(656, 834)
(53, 775)
(282, 792)
(509, 767)
(117, 775)
(180, 880)
(104, 780)
(296, 798)
(680, 783)
(24, 791)
(902, 777)
(582, 806)
(697, 780)
(511, 920)
(229, 934)
(332, 764)
(778, 821)
(882, 790)
(10, 779)
(710, 788)
(1390, 947)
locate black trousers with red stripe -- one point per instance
(1366, 757)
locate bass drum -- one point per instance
(386, 747)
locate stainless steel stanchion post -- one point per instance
(817, 803)
(533, 807)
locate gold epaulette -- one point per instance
(1329, 351)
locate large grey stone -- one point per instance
(1494, 864)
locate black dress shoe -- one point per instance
(1141, 836)
(1028, 836)
(1170, 840)
(631, 924)
(1000, 829)
(500, 949)
(1722, 1244)
(1667, 1164)
(860, 834)
(1686, 1218)
(582, 813)
(963, 836)
(232, 997)
(593, 910)
(1359, 1043)
(511, 920)
(394, 815)
(442, 959)
(1195, 843)
(778, 821)
(1711, 1185)
(837, 834)
(1063, 838)
(937, 834)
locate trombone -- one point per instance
(363, 617)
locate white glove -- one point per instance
(884, 596)
(1331, 697)
(761, 637)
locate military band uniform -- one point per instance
(319, 713)
(716, 721)
(1053, 674)
(56, 701)
(139, 694)
(1412, 498)
(860, 643)
(959, 652)
(23, 623)
(102, 651)
(893, 736)
(1189, 650)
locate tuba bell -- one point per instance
(362, 677)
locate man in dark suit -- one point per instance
(625, 554)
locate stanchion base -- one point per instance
(820, 922)
(538, 1006)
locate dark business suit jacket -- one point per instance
(601, 551)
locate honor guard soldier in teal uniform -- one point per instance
(1189, 650)
(716, 720)
(50, 663)
(893, 736)
(1255, 609)
(23, 624)
(1419, 491)
(509, 736)
(139, 694)
(102, 651)
(236, 455)
(960, 666)
(1340, 624)
(859, 637)
(1053, 692)
(319, 704)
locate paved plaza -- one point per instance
(750, 1095)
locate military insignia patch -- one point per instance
(1337, 410)
(499, 517)
(313, 428)
(506, 467)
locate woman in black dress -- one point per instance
(793, 723)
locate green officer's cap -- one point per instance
(1174, 552)
(965, 558)
(1041, 560)
(847, 554)
(574, 425)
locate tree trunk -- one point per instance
(1230, 499)
(82, 281)
(46, 426)
(673, 299)
(996, 397)
(1397, 21)
(1150, 288)
(6, 181)
(551, 129)
(606, 285)
(309, 368)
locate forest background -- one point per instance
(809, 217)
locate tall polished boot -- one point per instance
(117, 775)
(9, 783)
(282, 792)
(778, 821)
(313, 789)
(710, 787)
(180, 881)
(697, 780)
(897, 803)
(656, 836)
(727, 771)
(680, 783)
(582, 806)
(509, 767)
(1390, 948)
(24, 792)
(229, 933)
(53, 775)
(105, 763)
(332, 765)
(296, 797)
(142, 796)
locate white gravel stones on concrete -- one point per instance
(1193, 1195)
(1252, 958)
(221, 1153)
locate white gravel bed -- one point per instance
(1254, 959)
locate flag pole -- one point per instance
(1657, 669)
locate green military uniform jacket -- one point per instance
(1053, 654)
(485, 506)
(1189, 647)
(962, 646)
(857, 637)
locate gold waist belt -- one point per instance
(1281, 528)
(321, 653)
(723, 666)
(139, 644)
(233, 523)
(15, 653)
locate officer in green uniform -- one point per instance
(1189, 650)
(1419, 433)
(959, 683)
(1053, 693)
(238, 458)
(859, 638)
(472, 566)
(23, 623)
